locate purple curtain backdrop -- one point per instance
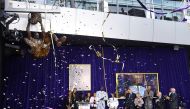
(36, 83)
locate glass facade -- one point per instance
(125, 6)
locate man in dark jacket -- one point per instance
(159, 101)
(129, 100)
(172, 99)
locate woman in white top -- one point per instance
(138, 101)
(113, 102)
(92, 102)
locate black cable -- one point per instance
(17, 21)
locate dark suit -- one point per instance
(160, 103)
(148, 97)
(75, 97)
(68, 103)
(173, 101)
(129, 101)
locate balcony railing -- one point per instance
(117, 6)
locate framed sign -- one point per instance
(138, 82)
(80, 77)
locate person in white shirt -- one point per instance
(113, 102)
(92, 102)
(101, 97)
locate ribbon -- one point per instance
(175, 10)
(55, 59)
(98, 54)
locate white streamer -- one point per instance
(55, 59)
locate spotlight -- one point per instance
(13, 36)
(17, 35)
(176, 47)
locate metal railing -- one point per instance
(116, 5)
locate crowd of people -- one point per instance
(150, 100)
(97, 100)
(100, 100)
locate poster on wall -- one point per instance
(138, 82)
(80, 77)
(32, 6)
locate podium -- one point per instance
(83, 105)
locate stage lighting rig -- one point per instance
(6, 19)
(14, 36)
